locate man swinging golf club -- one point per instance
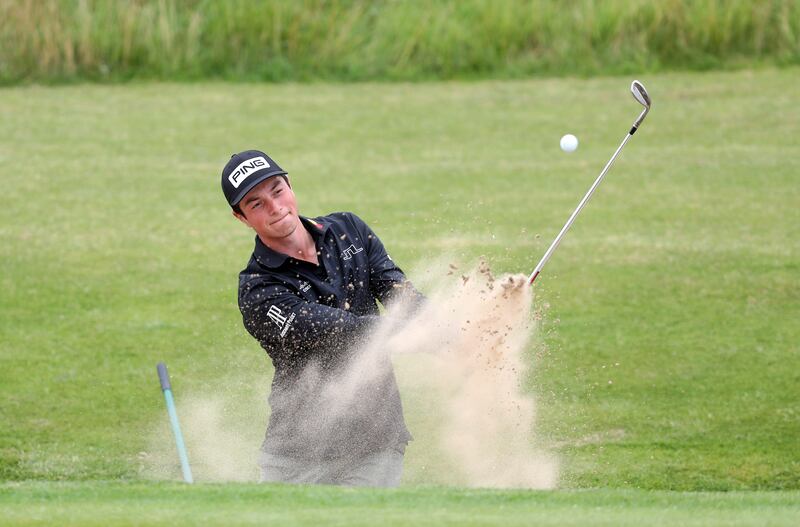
(309, 295)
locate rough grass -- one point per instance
(668, 356)
(61, 40)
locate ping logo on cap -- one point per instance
(245, 169)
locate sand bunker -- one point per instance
(472, 339)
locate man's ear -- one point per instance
(240, 217)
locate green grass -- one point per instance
(65, 40)
(161, 504)
(678, 283)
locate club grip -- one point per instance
(163, 376)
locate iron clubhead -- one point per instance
(642, 97)
(640, 94)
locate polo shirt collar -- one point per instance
(273, 259)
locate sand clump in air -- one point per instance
(462, 365)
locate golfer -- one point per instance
(310, 295)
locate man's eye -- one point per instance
(255, 205)
(278, 191)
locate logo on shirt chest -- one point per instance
(276, 315)
(350, 251)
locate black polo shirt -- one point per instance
(310, 320)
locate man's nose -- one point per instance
(272, 206)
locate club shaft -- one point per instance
(571, 219)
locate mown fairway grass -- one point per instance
(121, 504)
(668, 355)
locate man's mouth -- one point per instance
(279, 219)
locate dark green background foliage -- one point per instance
(57, 40)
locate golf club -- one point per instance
(641, 96)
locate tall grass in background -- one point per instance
(56, 40)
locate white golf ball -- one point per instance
(569, 143)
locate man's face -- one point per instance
(270, 209)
